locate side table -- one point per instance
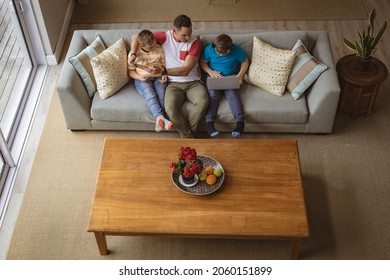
(359, 89)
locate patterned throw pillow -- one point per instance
(305, 71)
(110, 69)
(270, 67)
(82, 64)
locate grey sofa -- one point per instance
(127, 110)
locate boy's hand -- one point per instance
(143, 78)
(215, 74)
(241, 79)
(164, 79)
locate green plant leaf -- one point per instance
(366, 46)
(379, 35)
(360, 51)
(349, 45)
(369, 31)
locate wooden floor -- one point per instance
(11, 59)
(337, 29)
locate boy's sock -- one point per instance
(238, 130)
(168, 124)
(164, 123)
(159, 124)
(211, 129)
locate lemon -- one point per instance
(202, 176)
(217, 172)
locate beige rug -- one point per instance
(118, 11)
(345, 178)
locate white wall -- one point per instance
(53, 17)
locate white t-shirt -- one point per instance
(176, 53)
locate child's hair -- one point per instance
(223, 43)
(146, 38)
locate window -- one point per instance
(18, 70)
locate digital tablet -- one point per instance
(145, 67)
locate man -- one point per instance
(182, 52)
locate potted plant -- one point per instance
(365, 47)
(188, 165)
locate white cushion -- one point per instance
(110, 69)
(270, 67)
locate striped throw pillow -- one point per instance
(305, 71)
(82, 63)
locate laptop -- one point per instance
(225, 82)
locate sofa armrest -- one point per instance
(73, 96)
(323, 97)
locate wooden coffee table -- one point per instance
(261, 196)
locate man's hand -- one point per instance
(131, 58)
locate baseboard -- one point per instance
(54, 59)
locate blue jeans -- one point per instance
(234, 100)
(153, 91)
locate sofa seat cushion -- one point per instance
(262, 107)
(127, 105)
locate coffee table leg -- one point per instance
(101, 242)
(296, 244)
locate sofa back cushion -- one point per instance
(278, 39)
(109, 37)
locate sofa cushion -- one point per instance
(110, 36)
(262, 107)
(305, 71)
(270, 67)
(82, 63)
(110, 69)
(127, 105)
(281, 39)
